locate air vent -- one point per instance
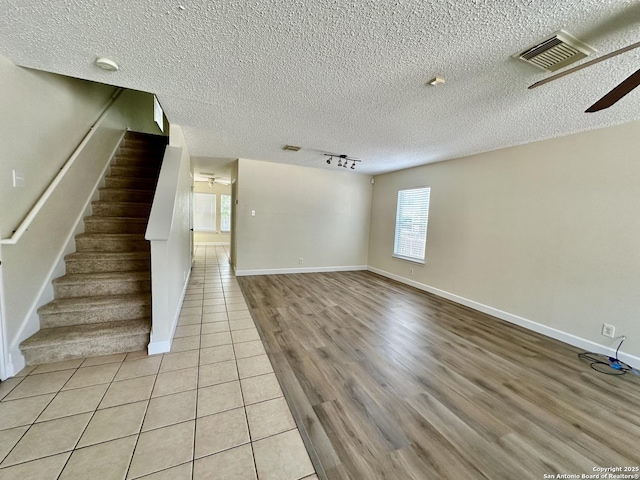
(556, 52)
(291, 148)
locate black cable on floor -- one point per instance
(605, 364)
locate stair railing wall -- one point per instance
(170, 236)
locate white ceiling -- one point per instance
(244, 78)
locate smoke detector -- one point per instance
(556, 52)
(107, 64)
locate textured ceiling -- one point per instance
(244, 78)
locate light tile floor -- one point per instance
(210, 409)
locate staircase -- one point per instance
(103, 303)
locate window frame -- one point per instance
(396, 234)
(222, 230)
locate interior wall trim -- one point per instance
(565, 337)
(281, 271)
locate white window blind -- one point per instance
(225, 213)
(412, 216)
(204, 212)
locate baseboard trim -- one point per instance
(154, 348)
(565, 337)
(284, 271)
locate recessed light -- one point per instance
(107, 64)
(437, 81)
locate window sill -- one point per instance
(410, 260)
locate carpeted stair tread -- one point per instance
(104, 224)
(130, 195)
(77, 304)
(86, 332)
(94, 256)
(134, 171)
(75, 285)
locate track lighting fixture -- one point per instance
(343, 160)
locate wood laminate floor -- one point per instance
(389, 382)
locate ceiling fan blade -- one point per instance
(585, 65)
(631, 82)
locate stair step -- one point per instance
(143, 159)
(133, 171)
(120, 209)
(89, 262)
(111, 242)
(106, 283)
(145, 138)
(130, 182)
(84, 310)
(77, 341)
(95, 224)
(125, 195)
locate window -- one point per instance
(412, 216)
(225, 213)
(204, 212)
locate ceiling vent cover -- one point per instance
(556, 52)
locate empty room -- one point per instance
(320, 240)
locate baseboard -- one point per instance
(211, 244)
(565, 337)
(282, 271)
(164, 346)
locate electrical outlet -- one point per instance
(411, 271)
(608, 330)
(300, 260)
(253, 213)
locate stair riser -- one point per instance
(141, 210)
(63, 319)
(146, 161)
(102, 244)
(103, 288)
(139, 172)
(93, 348)
(114, 226)
(130, 182)
(145, 196)
(82, 266)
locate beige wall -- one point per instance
(319, 215)
(212, 237)
(547, 231)
(44, 118)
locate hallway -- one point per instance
(212, 408)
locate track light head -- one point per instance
(329, 160)
(353, 166)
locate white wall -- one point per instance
(319, 215)
(546, 233)
(217, 237)
(171, 243)
(45, 117)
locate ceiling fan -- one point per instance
(616, 93)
